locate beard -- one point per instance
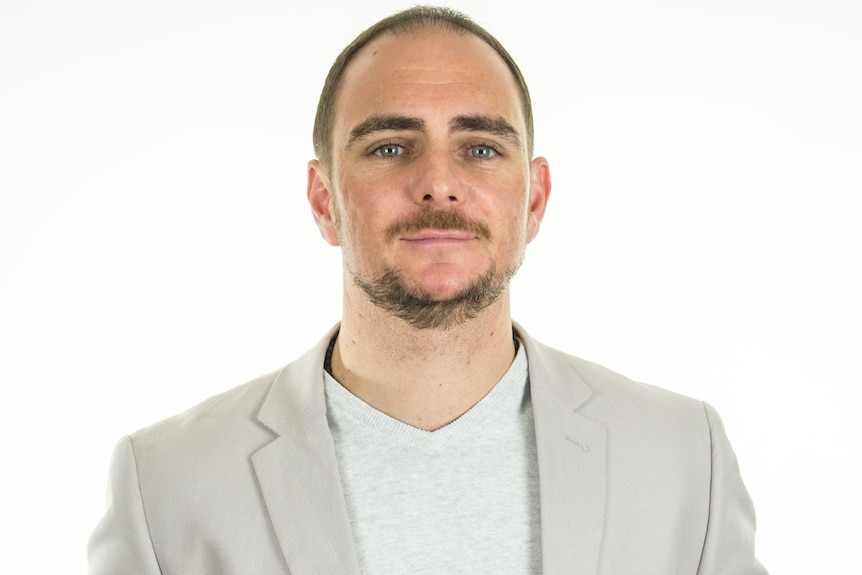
(417, 306)
(421, 310)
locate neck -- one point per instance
(424, 377)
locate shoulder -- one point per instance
(613, 399)
(228, 417)
(609, 386)
(653, 436)
(255, 410)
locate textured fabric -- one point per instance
(632, 480)
(460, 500)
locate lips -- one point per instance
(439, 235)
(432, 224)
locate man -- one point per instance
(427, 433)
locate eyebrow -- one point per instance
(479, 123)
(465, 123)
(382, 124)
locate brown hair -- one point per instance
(410, 20)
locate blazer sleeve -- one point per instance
(729, 545)
(121, 541)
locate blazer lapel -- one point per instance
(298, 473)
(572, 465)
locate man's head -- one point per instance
(407, 21)
(428, 187)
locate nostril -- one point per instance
(427, 197)
(452, 198)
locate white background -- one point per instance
(703, 233)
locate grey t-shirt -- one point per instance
(462, 499)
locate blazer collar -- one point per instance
(298, 472)
(572, 460)
(556, 374)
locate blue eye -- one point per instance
(389, 151)
(482, 152)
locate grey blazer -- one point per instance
(634, 480)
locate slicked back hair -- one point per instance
(410, 20)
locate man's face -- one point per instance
(429, 192)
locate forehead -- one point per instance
(425, 73)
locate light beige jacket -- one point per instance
(634, 480)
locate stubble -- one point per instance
(417, 306)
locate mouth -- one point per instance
(438, 236)
(435, 225)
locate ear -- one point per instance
(319, 198)
(540, 190)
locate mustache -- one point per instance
(431, 218)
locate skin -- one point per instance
(426, 120)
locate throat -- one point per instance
(426, 386)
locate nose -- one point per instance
(437, 180)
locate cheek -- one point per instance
(361, 220)
(372, 203)
(514, 217)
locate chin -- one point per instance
(442, 305)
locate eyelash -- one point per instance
(377, 151)
(486, 145)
